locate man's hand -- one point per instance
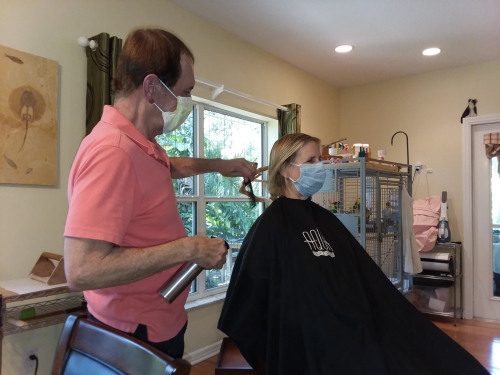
(181, 167)
(238, 168)
(212, 252)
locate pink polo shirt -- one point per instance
(120, 190)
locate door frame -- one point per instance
(468, 237)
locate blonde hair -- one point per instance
(283, 152)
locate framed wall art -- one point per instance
(28, 118)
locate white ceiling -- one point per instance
(388, 35)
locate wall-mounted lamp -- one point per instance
(84, 42)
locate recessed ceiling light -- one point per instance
(344, 48)
(431, 51)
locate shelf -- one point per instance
(456, 294)
(52, 304)
(450, 314)
(372, 165)
(435, 277)
(47, 313)
(57, 302)
(26, 288)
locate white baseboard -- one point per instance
(201, 354)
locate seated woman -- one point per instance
(306, 298)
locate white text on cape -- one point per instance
(317, 243)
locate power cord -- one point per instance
(34, 358)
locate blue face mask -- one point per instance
(312, 177)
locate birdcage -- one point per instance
(365, 194)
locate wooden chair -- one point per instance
(87, 347)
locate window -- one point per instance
(210, 204)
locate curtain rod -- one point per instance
(218, 89)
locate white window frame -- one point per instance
(269, 135)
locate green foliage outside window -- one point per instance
(180, 143)
(225, 137)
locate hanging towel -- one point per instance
(426, 214)
(413, 263)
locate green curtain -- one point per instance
(101, 68)
(289, 121)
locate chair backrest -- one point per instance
(87, 347)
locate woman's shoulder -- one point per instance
(270, 218)
(275, 209)
(269, 214)
(286, 208)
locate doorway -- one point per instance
(481, 221)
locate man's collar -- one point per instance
(112, 116)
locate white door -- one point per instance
(486, 299)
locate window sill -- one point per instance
(204, 301)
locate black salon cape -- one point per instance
(301, 313)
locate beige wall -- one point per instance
(428, 108)
(32, 217)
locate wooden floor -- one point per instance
(480, 338)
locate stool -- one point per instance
(230, 361)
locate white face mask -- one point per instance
(172, 120)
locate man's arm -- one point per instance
(94, 264)
(181, 167)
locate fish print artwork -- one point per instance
(15, 59)
(28, 118)
(10, 162)
(27, 104)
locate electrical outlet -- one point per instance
(429, 170)
(418, 167)
(30, 364)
